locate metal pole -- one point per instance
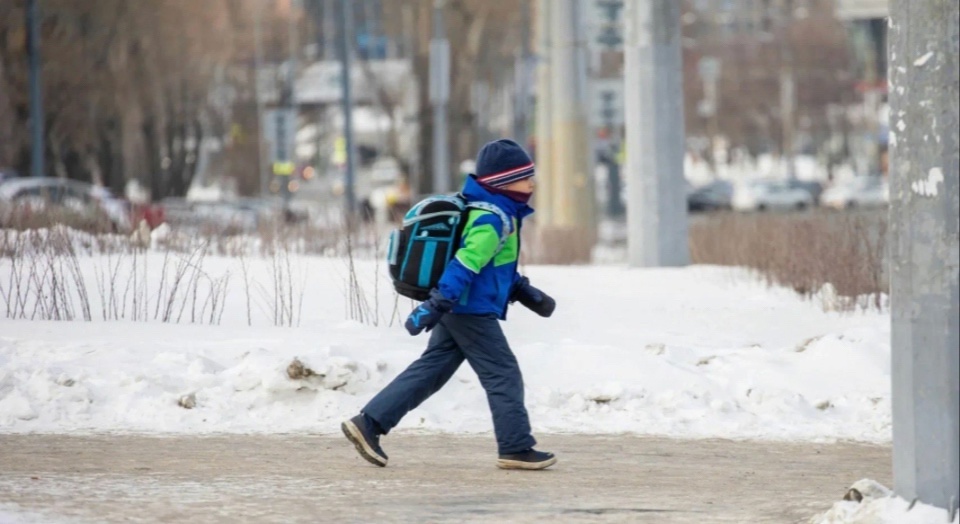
(439, 96)
(36, 90)
(925, 253)
(293, 44)
(291, 95)
(657, 208)
(787, 89)
(346, 25)
(257, 69)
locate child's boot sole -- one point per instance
(519, 464)
(352, 432)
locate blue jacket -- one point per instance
(479, 279)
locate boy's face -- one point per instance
(527, 185)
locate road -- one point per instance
(431, 478)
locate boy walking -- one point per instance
(463, 313)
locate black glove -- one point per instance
(532, 298)
(428, 314)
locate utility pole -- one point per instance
(36, 90)
(289, 102)
(656, 205)
(522, 103)
(439, 96)
(572, 220)
(924, 253)
(258, 93)
(544, 113)
(346, 27)
(788, 95)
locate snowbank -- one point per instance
(880, 506)
(696, 352)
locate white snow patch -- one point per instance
(922, 61)
(901, 125)
(928, 187)
(693, 352)
(880, 506)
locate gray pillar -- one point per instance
(544, 119)
(572, 177)
(924, 255)
(656, 203)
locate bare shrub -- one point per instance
(44, 281)
(22, 218)
(802, 252)
(283, 300)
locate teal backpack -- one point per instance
(420, 250)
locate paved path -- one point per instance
(431, 478)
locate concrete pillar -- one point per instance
(544, 119)
(656, 203)
(924, 253)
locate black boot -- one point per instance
(529, 459)
(366, 439)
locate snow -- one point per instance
(690, 353)
(882, 507)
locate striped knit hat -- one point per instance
(502, 163)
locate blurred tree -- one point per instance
(130, 88)
(749, 38)
(484, 37)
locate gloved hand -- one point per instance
(428, 314)
(531, 297)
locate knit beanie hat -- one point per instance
(503, 162)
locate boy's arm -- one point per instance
(479, 246)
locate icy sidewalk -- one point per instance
(431, 478)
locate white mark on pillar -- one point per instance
(922, 61)
(928, 187)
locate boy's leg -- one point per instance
(416, 383)
(482, 342)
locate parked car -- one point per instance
(770, 195)
(811, 186)
(863, 191)
(24, 197)
(713, 196)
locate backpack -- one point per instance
(429, 238)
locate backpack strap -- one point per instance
(507, 229)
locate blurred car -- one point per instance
(770, 195)
(863, 191)
(811, 186)
(24, 197)
(713, 196)
(242, 215)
